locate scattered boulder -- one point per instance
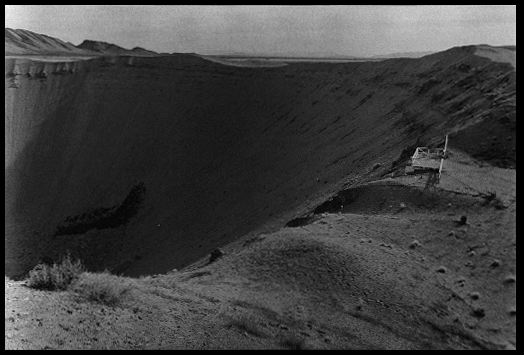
(510, 279)
(474, 295)
(414, 244)
(376, 166)
(461, 282)
(360, 304)
(490, 198)
(462, 221)
(495, 263)
(386, 245)
(216, 254)
(498, 204)
(442, 269)
(402, 205)
(478, 312)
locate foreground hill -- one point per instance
(392, 269)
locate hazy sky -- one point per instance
(349, 30)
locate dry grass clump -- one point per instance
(293, 342)
(102, 287)
(248, 325)
(70, 275)
(56, 276)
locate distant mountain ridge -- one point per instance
(404, 55)
(112, 49)
(219, 53)
(24, 42)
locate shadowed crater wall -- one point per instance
(216, 150)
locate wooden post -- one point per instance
(445, 146)
(440, 168)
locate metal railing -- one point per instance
(426, 158)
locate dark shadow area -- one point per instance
(300, 221)
(102, 218)
(223, 150)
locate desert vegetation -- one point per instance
(57, 276)
(70, 275)
(104, 288)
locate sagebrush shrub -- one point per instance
(102, 287)
(55, 277)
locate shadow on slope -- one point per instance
(221, 149)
